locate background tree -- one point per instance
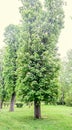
(11, 40)
(63, 82)
(37, 60)
(66, 80)
(2, 87)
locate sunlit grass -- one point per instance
(53, 118)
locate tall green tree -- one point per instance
(11, 40)
(37, 60)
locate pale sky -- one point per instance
(65, 39)
(9, 14)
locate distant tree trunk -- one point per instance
(37, 110)
(12, 102)
(1, 104)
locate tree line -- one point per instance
(65, 92)
(29, 63)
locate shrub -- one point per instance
(19, 104)
(68, 99)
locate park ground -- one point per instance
(53, 118)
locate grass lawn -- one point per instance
(53, 118)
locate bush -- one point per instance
(68, 99)
(6, 104)
(19, 104)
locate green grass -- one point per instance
(53, 118)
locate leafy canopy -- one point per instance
(37, 59)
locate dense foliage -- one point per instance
(2, 86)
(66, 80)
(37, 60)
(9, 70)
(31, 63)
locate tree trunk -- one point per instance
(1, 104)
(37, 110)
(12, 102)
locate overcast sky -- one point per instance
(65, 39)
(9, 14)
